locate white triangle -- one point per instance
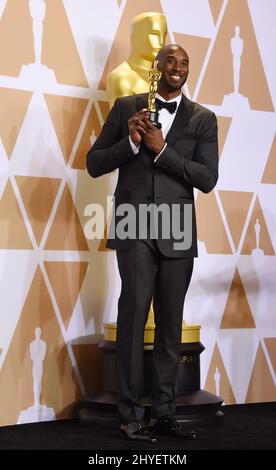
(42, 154)
(4, 168)
(17, 269)
(267, 198)
(206, 299)
(93, 49)
(198, 25)
(245, 141)
(258, 277)
(238, 350)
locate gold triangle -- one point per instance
(66, 232)
(218, 79)
(13, 233)
(66, 114)
(217, 367)
(59, 386)
(236, 205)
(196, 48)
(261, 386)
(16, 34)
(215, 6)
(121, 44)
(14, 105)
(223, 129)
(64, 59)
(250, 237)
(102, 245)
(269, 175)
(91, 132)
(105, 108)
(237, 313)
(210, 227)
(271, 349)
(38, 195)
(66, 279)
(89, 358)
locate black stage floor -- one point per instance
(245, 427)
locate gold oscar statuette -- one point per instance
(154, 77)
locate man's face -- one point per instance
(174, 65)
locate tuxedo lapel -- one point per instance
(183, 114)
(141, 101)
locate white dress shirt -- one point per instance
(166, 119)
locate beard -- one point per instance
(172, 85)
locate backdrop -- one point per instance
(57, 287)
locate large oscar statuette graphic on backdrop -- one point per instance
(38, 71)
(37, 412)
(236, 101)
(191, 399)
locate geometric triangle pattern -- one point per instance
(104, 108)
(237, 313)
(89, 358)
(66, 232)
(269, 175)
(66, 113)
(91, 132)
(196, 47)
(13, 232)
(11, 121)
(66, 279)
(270, 344)
(217, 380)
(223, 128)
(37, 312)
(218, 80)
(261, 386)
(257, 234)
(236, 206)
(54, 61)
(102, 245)
(215, 6)
(38, 196)
(210, 226)
(64, 59)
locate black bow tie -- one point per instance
(171, 107)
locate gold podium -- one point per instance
(190, 333)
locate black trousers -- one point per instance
(147, 274)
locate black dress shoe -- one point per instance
(169, 426)
(137, 432)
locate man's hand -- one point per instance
(153, 137)
(137, 127)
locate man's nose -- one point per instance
(177, 67)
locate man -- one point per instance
(161, 167)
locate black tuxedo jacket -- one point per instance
(189, 161)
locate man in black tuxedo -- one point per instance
(158, 169)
